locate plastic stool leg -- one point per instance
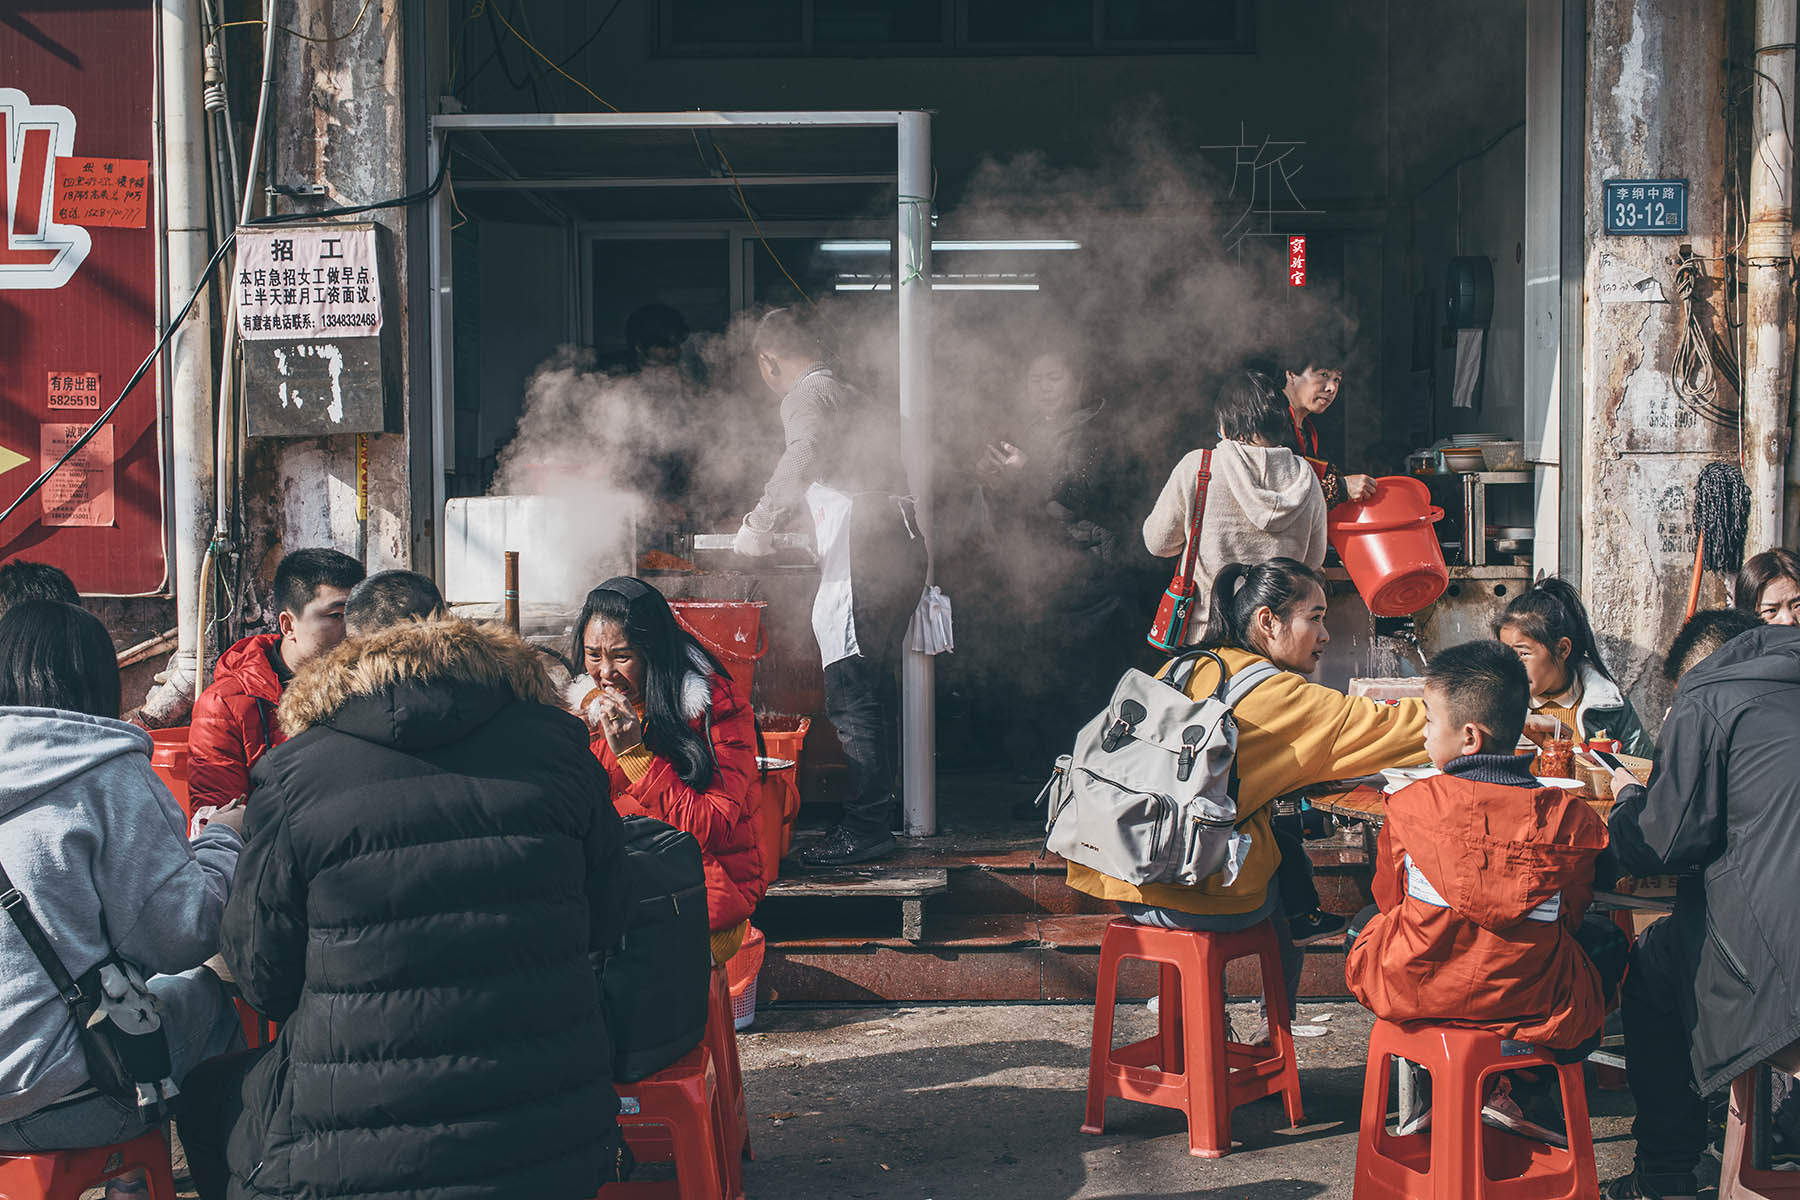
(1573, 1085)
(1209, 1067)
(696, 1163)
(1100, 1052)
(1377, 1079)
(1168, 1020)
(1456, 1128)
(1281, 1030)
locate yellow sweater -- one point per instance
(1291, 734)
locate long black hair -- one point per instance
(670, 653)
(1549, 611)
(56, 655)
(1279, 585)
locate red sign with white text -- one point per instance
(1297, 262)
(78, 290)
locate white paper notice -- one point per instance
(81, 491)
(307, 282)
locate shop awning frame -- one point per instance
(913, 187)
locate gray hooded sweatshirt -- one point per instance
(99, 848)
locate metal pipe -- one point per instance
(912, 286)
(680, 121)
(510, 598)
(190, 348)
(1768, 373)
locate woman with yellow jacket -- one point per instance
(1291, 734)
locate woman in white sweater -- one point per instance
(1263, 502)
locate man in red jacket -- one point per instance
(234, 719)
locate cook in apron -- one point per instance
(871, 572)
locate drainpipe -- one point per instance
(190, 349)
(912, 288)
(1768, 377)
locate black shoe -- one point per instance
(1641, 1186)
(1316, 926)
(841, 848)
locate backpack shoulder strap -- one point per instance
(13, 901)
(1248, 680)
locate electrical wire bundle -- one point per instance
(1699, 360)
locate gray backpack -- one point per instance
(1150, 794)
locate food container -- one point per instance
(1504, 456)
(1557, 759)
(1465, 462)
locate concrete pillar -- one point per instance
(1769, 369)
(1654, 79)
(339, 121)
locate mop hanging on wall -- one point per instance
(1722, 521)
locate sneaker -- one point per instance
(841, 848)
(1502, 1110)
(1641, 1186)
(1316, 926)
(1414, 1116)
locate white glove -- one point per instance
(753, 543)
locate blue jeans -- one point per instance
(200, 1022)
(1293, 958)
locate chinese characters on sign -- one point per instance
(1296, 267)
(1646, 206)
(307, 283)
(102, 191)
(81, 493)
(74, 389)
(1272, 166)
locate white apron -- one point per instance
(833, 615)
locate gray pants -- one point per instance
(1293, 958)
(201, 1023)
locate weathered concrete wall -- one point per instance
(1654, 111)
(338, 120)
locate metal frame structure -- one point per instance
(913, 178)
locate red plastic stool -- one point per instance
(1460, 1158)
(673, 1116)
(65, 1174)
(1190, 1064)
(1739, 1178)
(721, 1040)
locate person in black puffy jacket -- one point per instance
(1715, 988)
(432, 856)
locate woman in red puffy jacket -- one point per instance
(676, 734)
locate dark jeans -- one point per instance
(211, 1104)
(857, 703)
(1299, 895)
(1670, 1127)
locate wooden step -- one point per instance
(908, 885)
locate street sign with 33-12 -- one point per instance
(1646, 206)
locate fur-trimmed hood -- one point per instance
(416, 684)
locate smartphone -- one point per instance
(1611, 762)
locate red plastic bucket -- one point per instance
(1389, 547)
(732, 630)
(169, 759)
(774, 785)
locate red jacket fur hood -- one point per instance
(725, 817)
(1481, 887)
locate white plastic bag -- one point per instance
(932, 631)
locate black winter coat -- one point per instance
(1724, 804)
(430, 860)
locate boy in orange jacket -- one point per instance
(1482, 876)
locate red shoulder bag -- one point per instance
(1169, 631)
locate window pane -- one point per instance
(1173, 20)
(877, 23)
(1030, 22)
(734, 23)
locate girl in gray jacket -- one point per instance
(99, 850)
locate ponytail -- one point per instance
(1550, 611)
(1279, 585)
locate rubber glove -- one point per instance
(753, 543)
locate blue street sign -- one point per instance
(1641, 206)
